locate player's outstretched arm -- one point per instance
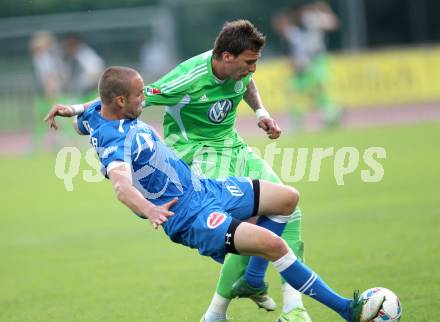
(126, 193)
(65, 111)
(265, 122)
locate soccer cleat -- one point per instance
(364, 310)
(241, 288)
(298, 314)
(264, 301)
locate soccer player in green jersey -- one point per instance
(304, 28)
(201, 96)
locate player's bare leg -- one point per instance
(277, 199)
(273, 199)
(256, 241)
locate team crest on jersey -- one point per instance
(238, 87)
(219, 110)
(215, 219)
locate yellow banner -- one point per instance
(391, 77)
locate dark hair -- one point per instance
(236, 37)
(115, 81)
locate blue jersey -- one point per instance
(161, 176)
(157, 172)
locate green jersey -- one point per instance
(200, 109)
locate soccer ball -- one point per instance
(391, 309)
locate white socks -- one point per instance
(217, 309)
(291, 298)
(281, 264)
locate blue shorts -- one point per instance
(212, 211)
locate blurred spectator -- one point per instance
(85, 67)
(48, 64)
(303, 28)
(50, 72)
(156, 59)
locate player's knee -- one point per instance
(291, 200)
(275, 247)
(295, 198)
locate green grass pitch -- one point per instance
(81, 256)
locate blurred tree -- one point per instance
(388, 22)
(11, 8)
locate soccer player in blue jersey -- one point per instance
(201, 96)
(205, 214)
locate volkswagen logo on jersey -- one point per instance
(215, 219)
(219, 110)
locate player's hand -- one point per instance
(58, 110)
(159, 214)
(271, 127)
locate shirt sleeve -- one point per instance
(154, 96)
(170, 89)
(113, 148)
(83, 125)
